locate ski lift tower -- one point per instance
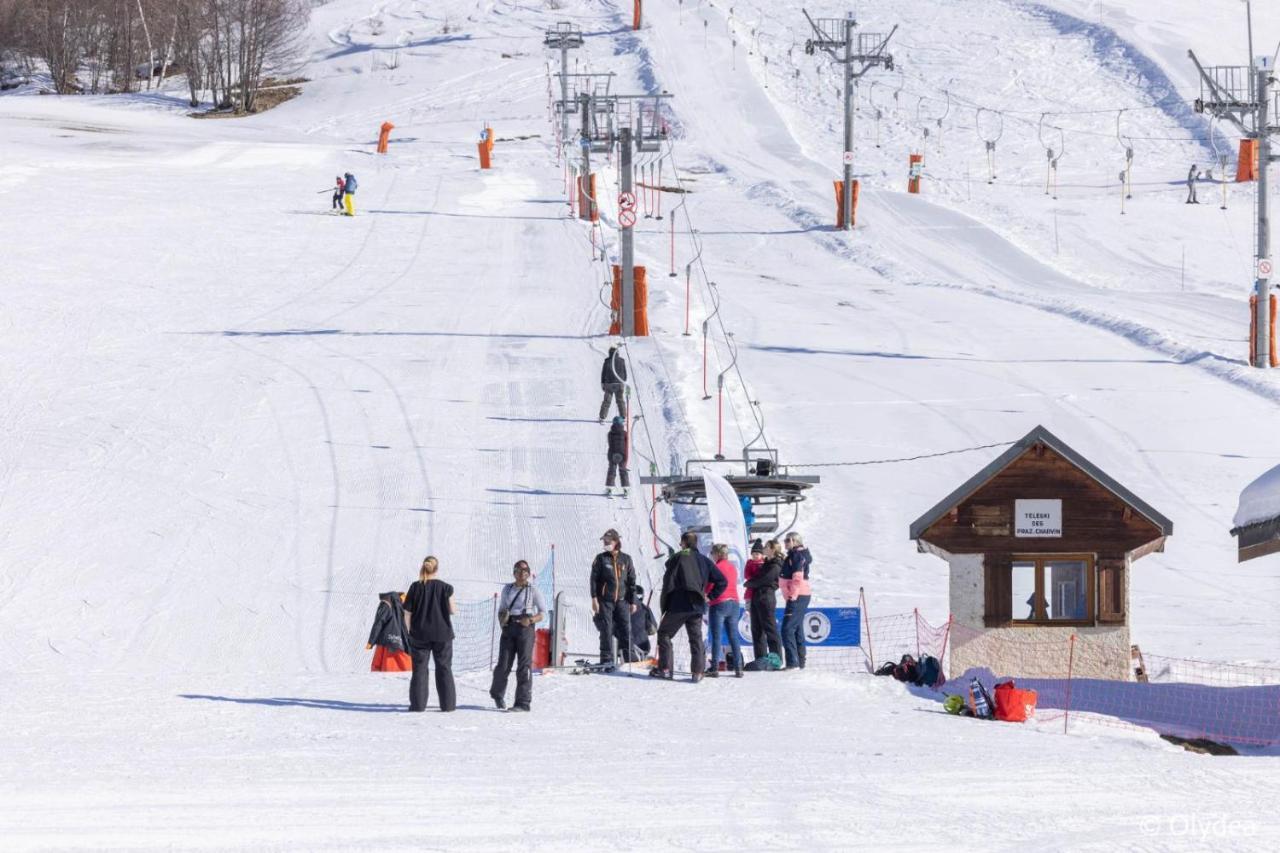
(644, 138)
(837, 38)
(563, 37)
(769, 485)
(606, 124)
(1242, 95)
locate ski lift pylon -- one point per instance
(990, 143)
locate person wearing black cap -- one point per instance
(763, 587)
(690, 580)
(520, 607)
(613, 595)
(643, 626)
(613, 380)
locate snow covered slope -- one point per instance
(232, 419)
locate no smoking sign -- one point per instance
(1264, 268)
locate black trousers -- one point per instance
(613, 620)
(692, 624)
(419, 686)
(764, 625)
(617, 469)
(515, 646)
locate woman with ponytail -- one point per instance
(428, 610)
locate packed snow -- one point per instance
(1260, 500)
(232, 419)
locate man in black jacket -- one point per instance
(613, 595)
(684, 600)
(613, 381)
(617, 458)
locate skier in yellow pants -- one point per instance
(349, 194)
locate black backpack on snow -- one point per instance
(929, 673)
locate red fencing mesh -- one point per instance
(1230, 703)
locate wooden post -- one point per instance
(1071, 659)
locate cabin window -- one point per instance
(1051, 589)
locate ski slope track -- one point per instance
(233, 418)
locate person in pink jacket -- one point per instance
(793, 582)
(724, 612)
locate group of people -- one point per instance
(344, 194)
(694, 587)
(613, 380)
(413, 631)
(418, 626)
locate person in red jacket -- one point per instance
(724, 611)
(751, 569)
(763, 585)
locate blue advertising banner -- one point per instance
(823, 626)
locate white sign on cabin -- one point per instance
(1037, 518)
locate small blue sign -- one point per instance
(823, 626)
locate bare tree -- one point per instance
(225, 46)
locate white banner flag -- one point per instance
(728, 527)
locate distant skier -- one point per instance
(520, 607)
(349, 194)
(613, 381)
(613, 595)
(389, 636)
(685, 586)
(338, 191)
(643, 626)
(617, 458)
(793, 581)
(763, 586)
(1192, 176)
(429, 608)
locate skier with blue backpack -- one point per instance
(349, 194)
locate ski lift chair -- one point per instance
(769, 485)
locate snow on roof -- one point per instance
(1260, 500)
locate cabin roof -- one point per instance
(1039, 435)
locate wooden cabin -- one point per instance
(1040, 543)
